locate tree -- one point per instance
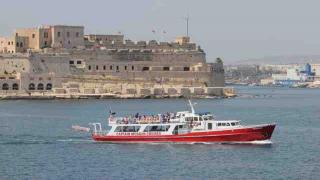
(219, 60)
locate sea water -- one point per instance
(37, 142)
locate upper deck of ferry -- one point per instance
(179, 117)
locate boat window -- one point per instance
(157, 128)
(223, 124)
(188, 118)
(180, 126)
(127, 129)
(228, 124)
(195, 118)
(233, 124)
(219, 124)
(118, 129)
(209, 125)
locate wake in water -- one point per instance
(25, 139)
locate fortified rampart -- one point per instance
(106, 66)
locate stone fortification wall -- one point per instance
(104, 71)
(138, 55)
(128, 44)
(14, 63)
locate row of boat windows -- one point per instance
(228, 124)
(164, 128)
(161, 128)
(205, 118)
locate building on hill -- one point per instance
(62, 60)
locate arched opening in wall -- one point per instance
(110, 67)
(31, 86)
(186, 68)
(17, 44)
(166, 68)
(132, 68)
(104, 67)
(40, 86)
(49, 86)
(15, 86)
(21, 44)
(89, 67)
(5, 86)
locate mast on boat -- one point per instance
(191, 106)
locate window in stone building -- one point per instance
(89, 67)
(33, 36)
(69, 42)
(71, 62)
(21, 44)
(31, 86)
(132, 68)
(49, 86)
(125, 67)
(77, 34)
(166, 68)
(15, 86)
(40, 86)
(9, 43)
(45, 43)
(186, 69)
(17, 44)
(45, 35)
(104, 67)
(110, 67)
(59, 34)
(145, 69)
(78, 62)
(117, 68)
(68, 34)
(97, 67)
(5, 86)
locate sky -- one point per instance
(231, 29)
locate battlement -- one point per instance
(118, 43)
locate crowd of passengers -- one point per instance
(147, 119)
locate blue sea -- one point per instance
(37, 142)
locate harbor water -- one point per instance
(37, 142)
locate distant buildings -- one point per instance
(293, 74)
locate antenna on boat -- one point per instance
(191, 106)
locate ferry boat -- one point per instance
(179, 127)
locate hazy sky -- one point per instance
(231, 29)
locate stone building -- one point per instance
(62, 60)
(56, 36)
